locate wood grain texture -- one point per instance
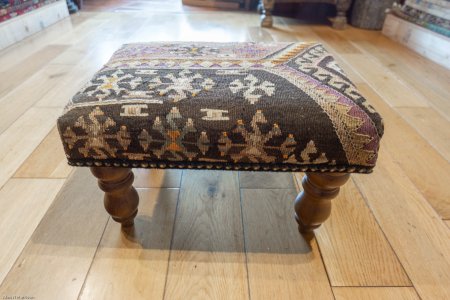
(207, 259)
(266, 180)
(24, 203)
(338, 43)
(20, 140)
(56, 259)
(375, 293)
(353, 247)
(431, 126)
(421, 163)
(416, 233)
(134, 265)
(157, 178)
(47, 160)
(16, 103)
(281, 263)
(425, 79)
(25, 68)
(387, 84)
(380, 46)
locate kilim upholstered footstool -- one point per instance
(227, 106)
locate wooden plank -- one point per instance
(353, 247)
(428, 170)
(420, 73)
(281, 263)
(18, 101)
(339, 44)
(416, 233)
(47, 160)
(135, 266)
(375, 293)
(61, 93)
(393, 89)
(266, 180)
(420, 79)
(24, 203)
(25, 68)
(259, 34)
(431, 125)
(56, 260)
(207, 257)
(153, 178)
(20, 140)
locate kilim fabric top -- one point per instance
(248, 106)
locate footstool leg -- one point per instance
(340, 21)
(313, 204)
(121, 199)
(266, 16)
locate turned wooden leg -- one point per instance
(313, 204)
(266, 13)
(340, 21)
(121, 199)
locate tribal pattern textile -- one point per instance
(250, 106)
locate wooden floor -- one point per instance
(221, 235)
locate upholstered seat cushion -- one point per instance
(277, 106)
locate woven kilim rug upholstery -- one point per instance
(248, 106)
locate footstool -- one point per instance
(284, 107)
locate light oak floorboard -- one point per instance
(338, 43)
(423, 165)
(153, 178)
(134, 265)
(423, 80)
(375, 293)
(56, 260)
(354, 249)
(266, 180)
(207, 259)
(387, 84)
(24, 203)
(377, 45)
(417, 234)
(18, 101)
(47, 160)
(431, 125)
(21, 71)
(281, 263)
(20, 140)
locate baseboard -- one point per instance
(428, 43)
(20, 27)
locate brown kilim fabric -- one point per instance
(248, 106)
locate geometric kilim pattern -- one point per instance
(248, 106)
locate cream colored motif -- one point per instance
(255, 148)
(96, 136)
(110, 83)
(252, 88)
(214, 114)
(181, 84)
(133, 110)
(311, 149)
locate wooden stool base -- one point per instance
(313, 204)
(121, 198)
